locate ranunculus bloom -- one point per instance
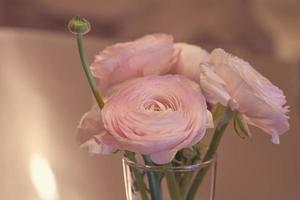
(154, 115)
(147, 111)
(157, 115)
(231, 81)
(148, 55)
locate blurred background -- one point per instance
(44, 92)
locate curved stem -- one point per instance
(88, 73)
(219, 131)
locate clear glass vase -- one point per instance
(144, 182)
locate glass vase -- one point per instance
(167, 182)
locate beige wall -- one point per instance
(44, 93)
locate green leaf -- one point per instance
(241, 126)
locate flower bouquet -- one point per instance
(156, 99)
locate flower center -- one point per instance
(155, 105)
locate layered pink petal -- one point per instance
(262, 103)
(92, 135)
(189, 60)
(214, 87)
(157, 114)
(151, 54)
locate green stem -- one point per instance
(185, 182)
(219, 131)
(154, 183)
(174, 189)
(138, 176)
(88, 73)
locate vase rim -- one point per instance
(175, 168)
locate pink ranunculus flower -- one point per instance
(155, 115)
(148, 108)
(148, 55)
(231, 81)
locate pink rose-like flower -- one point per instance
(231, 81)
(148, 55)
(144, 112)
(154, 115)
(154, 54)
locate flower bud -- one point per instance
(79, 25)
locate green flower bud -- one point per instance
(79, 25)
(189, 153)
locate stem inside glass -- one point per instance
(167, 182)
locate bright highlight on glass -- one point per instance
(43, 178)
